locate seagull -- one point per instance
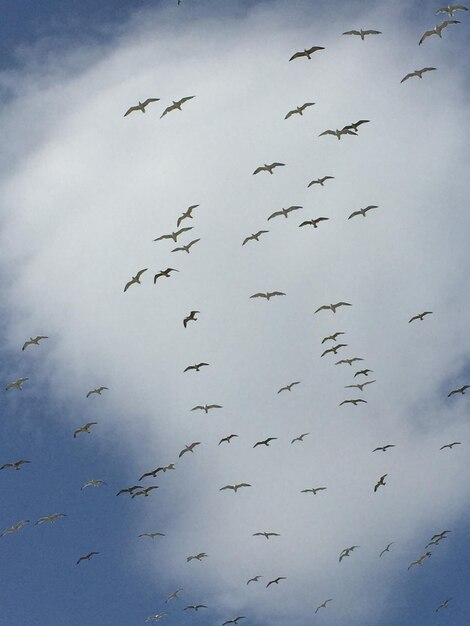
(276, 580)
(87, 557)
(16, 465)
(323, 606)
(234, 620)
(268, 295)
(332, 307)
(334, 348)
(437, 30)
(50, 518)
(15, 528)
(384, 448)
(419, 316)
(186, 214)
(154, 472)
(444, 604)
(289, 386)
(236, 487)
(196, 607)
(173, 595)
(227, 439)
(158, 616)
(337, 132)
(360, 386)
(94, 482)
(195, 367)
(141, 106)
(254, 236)
(441, 535)
(187, 247)
(418, 73)
(313, 490)
(459, 390)
(206, 407)
(98, 390)
(265, 442)
(152, 535)
(255, 579)
(355, 401)
(267, 168)
(129, 489)
(174, 235)
(198, 557)
(364, 372)
(84, 429)
(284, 212)
(17, 384)
(435, 542)
(387, 549)
(267, 535)
(450, 445)
(355, 125)
(306, 53)
(176, 105)
(166, 273)
(349, 361)
(332, 337)
(135, 279)
(320, 181)
(347, 552)
(144, 492)
(420, 560)
(191, 317)
(450, 10)
(314, 222)
(299, 110)
(34, 341)
(363, 211)
(362, 33)
(381, 482)
(300, 437)
(189, 448)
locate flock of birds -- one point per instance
(333, 346)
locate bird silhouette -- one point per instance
(135, 280)
(190, 318)
(254, 236)
(307, 53)
(362, 33)
(176, 105)
(33, 341)
(299, 110)
(417, 73)
(265, 442)
(84, 429)
(166, 273)
(437, 30)
(320, 181)
(267, 167)
(141, 106)
(188, 214)
(98, 391)
(381, 482)
(87, 557)
(189, 448)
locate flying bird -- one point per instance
(300, 437)
(16, 465)
(176, 105)
(166, 273)
(381, 482)
(314, 222)
(15, 528)
(334, 348)
(267, 535)
(236, 487)
(235, 620)
(158, 616)
(197, 557)
(459, 390)
(195, 367)
(254, 236)
(98, 390)
(206, 407)
(387, 549)
(94, 482)
(355, 125)
(135, 280)
(87, 557)
(306, 53)
(190, 318)
(299, 110)
(227, 439)
(440, 535)
(34, 341)
(437, 30)
(320, 181)
(17, 384)
(196, 607)
(338, 133)
(174, 235)
(267, 168)
(420, 560)
(144, 492)
(173, 595)
(141, 106)
(349, 361)
(284, 212)
(451, 445)
(152, 535)
(363, 211)
(187, 247)
(268, 295)
(451, 9)
(355, 401)
(154, 472)
(255, 579)
(323, 605)
(362, 33)
(50, 518)
(384, 448)
(189, 448)
(188, 214)
(265, 442)
(365, 372)
(347, 552)
(417, 73)
(332, 337)
(332, 307)
(360, 386)
(129, 490)
(444, 604)
(84, 429)
(419, 316)
(313, 490)
(276, 581)
(289, 386)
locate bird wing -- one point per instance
(297, 55)
(372, 32)
(259, 295)
(292, 208)
(410, 75)
(185, 99)
(327, 132)
(305, 105)
(163, 237)
(191, 243)
(149, 100)
(134, 108)
(247, 239)
(276, 293)
(291, 113)
(260, 169)
(427, 34)
(446, 23)
(183, 230)
(275, 214)
(352, 32)
(315, 49)
(167, 110)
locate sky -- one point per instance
(85, 191)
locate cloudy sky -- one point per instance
(84, 193)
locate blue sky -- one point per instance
(56, 238)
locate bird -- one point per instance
(355, 125)
(417, 73)
(16, 465)
(435, 542)
(320, 181)
(363, 211)
(195, 367)
(267, 535)
(268, 295)
(255, 579)
(384, 448)
(87, 557)
(268, 167)
(174, 235)
(347, 552)
(158, 616)
(332, 337)
(152, 535)
(334, 348)
(276, 581)
(323, 605)
(459, 390)
(365, 372)
(154, 472)
(15, 528)
(129, 489)
(206, 407)
(189, 448)
(451, 445)
(419, 316)
(94, 482)
(254, 236)
(444, 604)
(306, 53)
(197, 557)
(173, 595)
(338, 133)
(313, 490)
(98, 390)
(360, 386)
(300, 437)
(236, 487)
(84, 429)
(141, 106)
(437, 30)
(441, 535)
(387, 549)
(284, 212)
(135, 279)
(299, 110)
(17, 384)
(227, 439)
(176, 105)
(332, 307)
(235, 620)
(34, 341)
(314, 222)
(349, 361)
(362, 33)
(355, 401)
(50, 518)
(166, 273)
(289, 386)
(381, 482)
(187, 247)
(144, 492)
(420, 560)
(196, 607)
(451, 9)
(265, 442)
(188, 214)
(191, 317)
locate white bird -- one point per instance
(437, 30)
(174, 235)
(320, 181)
(173, 595)
(34, 341)
(254, 236)
(50, 518)
(187, 247)
(451, 9)
(417, 73)
(15, 528)
(332, 307)
(189, 448)
(362, 33)
(17, 384)
(338, 133)
(94, 482)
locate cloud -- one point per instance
(86, 194)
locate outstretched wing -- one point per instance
(298, 55)
(352, 32)
(149, 100)
(275, 214)
(135, 108)
(327, 132)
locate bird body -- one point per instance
(152, 535)
(365, 372)
(267, 535)
(16, 465)
(323, 605)
(195, 367)
(15, 528)
(227, 439)
(299, 438)
(187, 247)
(206, 407)
(314, 222)
(276, 581)
(188, 214)
(347, 552)
(285, 212)
(129, 490)
(444, 604)
(384, 448)
(354, 401)
(236, 487)
(173, 595)
(94, 482)
(289, 386)
(196, 607)
(451, 9)
(338, 133)
(419, 316)
(437, 30)
(255, 579)
(387, 549)
(349, 361)
(175, 234)
(363, 211)
(451, 445)
(265, 442)
(87, 557)
(420, 560)
(332, 307)
(235, 620)
(334, 349)
(197, 557)
(144, 492)
(313, 490)
(360, 386)
(50, 518)
(332, 337)
(459, 390)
